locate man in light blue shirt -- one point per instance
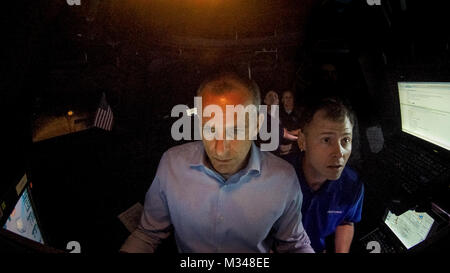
(221, 194)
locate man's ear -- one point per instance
(301, 140)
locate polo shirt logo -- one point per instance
(335, 211)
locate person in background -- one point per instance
(271, 98)
(289, 118)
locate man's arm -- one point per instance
(290, 135)
(290, 236)
(155, 224)
(344, 232)
(343, 237)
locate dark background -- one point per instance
(148, 56)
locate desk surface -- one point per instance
(48, 126)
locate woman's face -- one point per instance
(288, 100)
(271, 98)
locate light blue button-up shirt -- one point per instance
(258, 209)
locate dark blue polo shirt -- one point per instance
(332, 204)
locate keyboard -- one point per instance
(414, 168)
(404, 165)
(379, 237)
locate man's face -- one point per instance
(227, 156)
(327, 145)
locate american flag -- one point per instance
(104, 116)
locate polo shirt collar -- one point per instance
(326, 186)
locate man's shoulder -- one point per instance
(275, 164)
(188, 151)
(186, 147)
(280, 174)
(349, 174)
(351, 181)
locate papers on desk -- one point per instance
(131, 217)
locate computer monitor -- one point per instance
(411, 227)
(425, 111)
(22, 219)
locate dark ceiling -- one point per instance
(137, 45)
(195, 18)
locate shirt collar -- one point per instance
(301, 177)
(254, 162)
(253, 166)
(199, 158)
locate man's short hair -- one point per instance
(335, 109)
(222, 82)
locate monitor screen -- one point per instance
(22, 219)
(425, 111)
(411, 227)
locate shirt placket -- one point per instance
(219, 218)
